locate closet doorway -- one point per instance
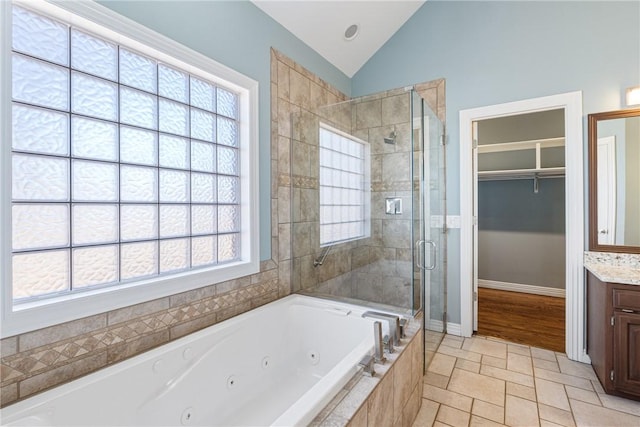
(520, 234)
(571, 104)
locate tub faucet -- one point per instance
(378, 342)
(394, 324)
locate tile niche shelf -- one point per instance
(537, 158)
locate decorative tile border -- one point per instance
(22, 365)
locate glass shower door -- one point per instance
(429, 228)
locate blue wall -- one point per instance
(238, 35)
(496, 52)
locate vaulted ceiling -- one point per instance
(322, 24)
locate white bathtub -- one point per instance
(279, 364)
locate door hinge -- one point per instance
(445, 229)
(613, 321)
(444, 139)
(475, 296)
(611, 375)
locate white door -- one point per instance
(606, 190)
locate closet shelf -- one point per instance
(521, 174)
(531, 144)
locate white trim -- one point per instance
(574, 203)
(522, 288)
(90, 16)
(436, 325)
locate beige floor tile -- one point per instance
(449, 342)
(453, 417)
(563, 378)
(488, 347)
(552, 394)
(496, 362)
(439, 424)
(427, 414)
(520, 390)
(436, 380)
(545, 423)
(446, 397)
(477, 421)
(460, 354)
(442, 364)
(582, 395)
(555, 415)
(541, 353)
(588, 415)
(546, 364)
(520, 412)
(478, 386)
(597, 386)
(488, 410)
(519, 363)
(519, 349)
(619, 404)
(468, 365)
(503, 374)
(576, 369)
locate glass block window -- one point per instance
(344, 192)
(124, 167)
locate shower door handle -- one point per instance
(419, 263)
(420, 243)
(433, 255)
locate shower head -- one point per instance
(391, 139)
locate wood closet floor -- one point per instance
(534, 320)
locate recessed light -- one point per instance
(351, 32)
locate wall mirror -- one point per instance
(614, 181)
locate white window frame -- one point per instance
(366, 185)
(101, 21)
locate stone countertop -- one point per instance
(614, 268)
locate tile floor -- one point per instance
(488, 382)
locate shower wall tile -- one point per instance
(60, 332)
(368, 114)
(300, 88)
(284, 155)
(395, 109)
(392, 169)
(9, 346)
(136, 346)
(283, 207)
(137, 310)
(62, 374)
(282, 80)
(8, 394)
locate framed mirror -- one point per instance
(614, 181)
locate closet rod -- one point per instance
(514, 177)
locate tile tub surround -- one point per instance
(391, 398)
(614, 267)
(488, 382)
(36, 361)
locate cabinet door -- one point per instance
(626, 349)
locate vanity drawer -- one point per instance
(626, 299)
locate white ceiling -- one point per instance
(321, 25)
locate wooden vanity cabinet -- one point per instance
(613, 335)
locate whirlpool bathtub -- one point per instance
(279, 364)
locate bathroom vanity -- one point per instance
(613, 263)
(613, 325)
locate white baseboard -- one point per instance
(518, 287)
(452, 328)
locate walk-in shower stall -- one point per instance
(368, 204)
